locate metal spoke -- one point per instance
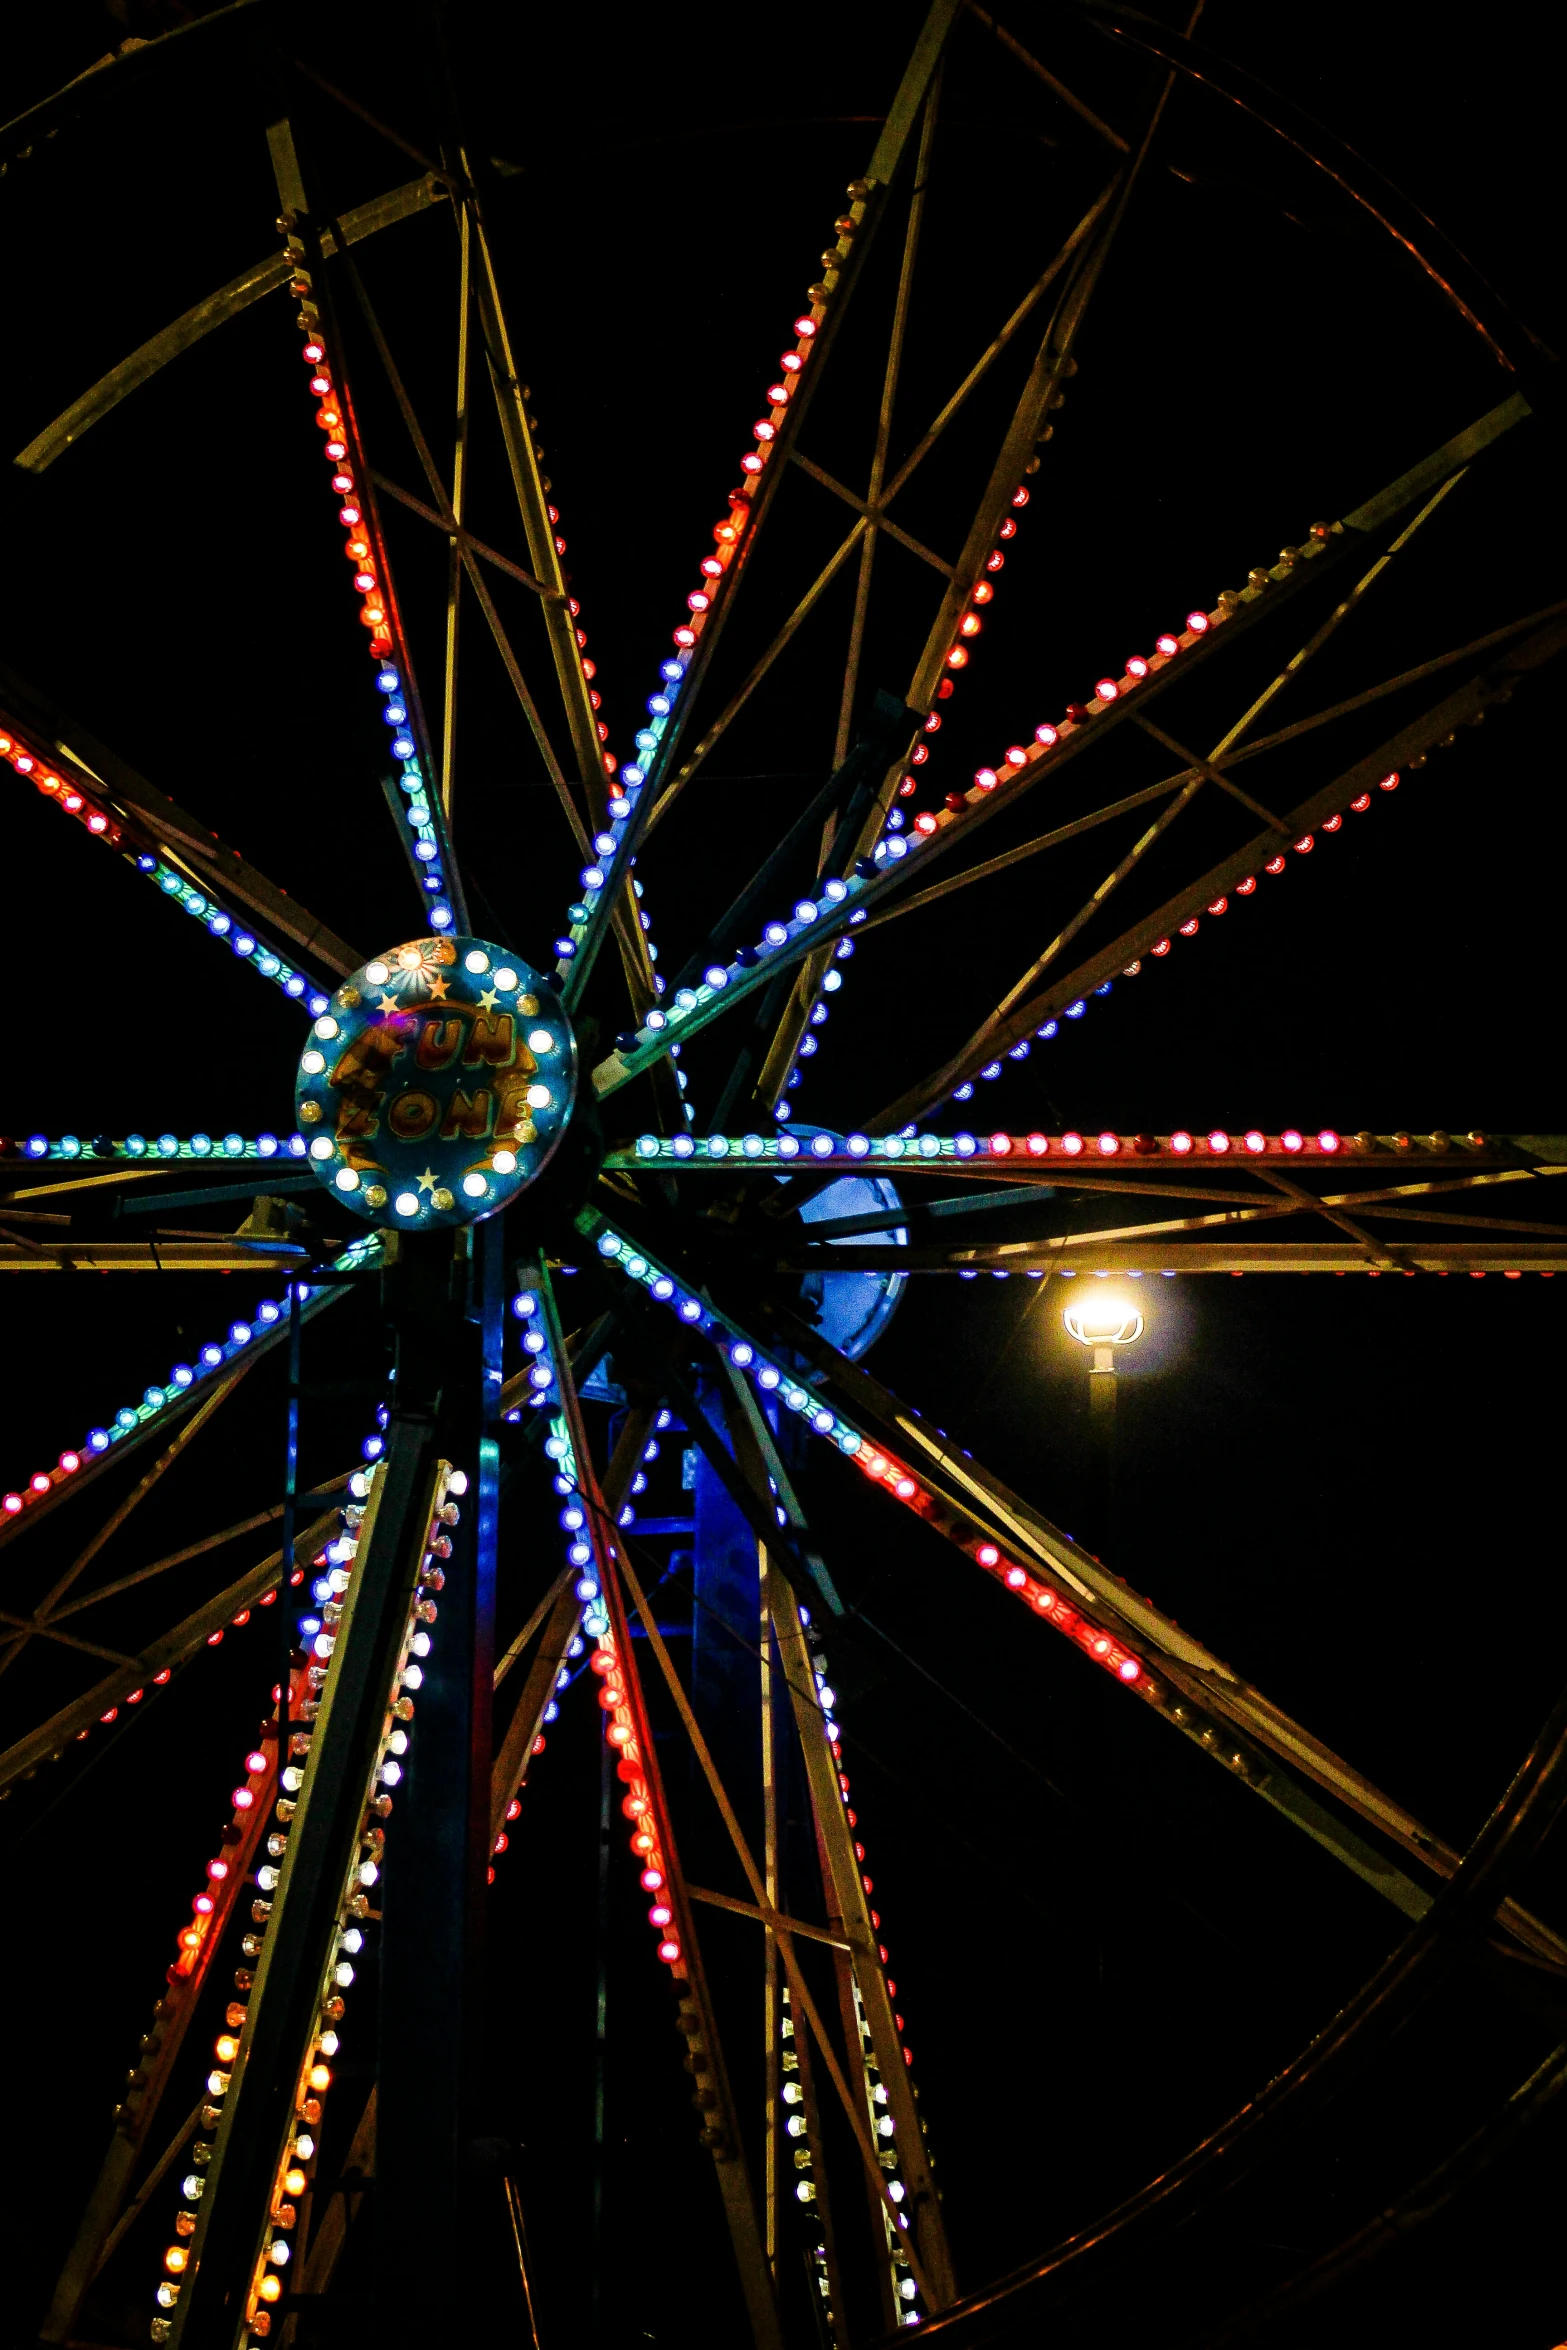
(889, 395)
(1335, 619)
(156, 1420)
(48, 1609)
(532, 505)
(993, 350)
(104, 2222)
(183, 1556)
(778, 1926)
(1419, 737)
(345, 1742)
(887, 871)
(519, 686)
(448, 516)
(166, 1653)
(1236, 613)
(848, 1904)
(303, 245)
(1043, 392)
(724, 2138)
(459, 509)
(758, 670)
(1065, 1584)
(179, 855)
(174, 1255)
(877, 513)
(1073, 1162)
(1253, 750)
(867, 208)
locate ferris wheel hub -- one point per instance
(437, 1084)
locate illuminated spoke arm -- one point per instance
(161, 1408)
(44, 1619)
(1041, 756)
(799, 1992)
(276, 2069)
(958, 621)
(158, 1659)
(713, 733)
(108, 2218)
(1172, 783)
(848, 1901)
(1064, 1585)
(629, 1730)
(1236, 874)
(842, 902)
(79, 794)
(776, 435)
(422, 824)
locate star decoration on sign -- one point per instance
(488, 1000)
(437, 987)
(388, 1003)
(427, 1180)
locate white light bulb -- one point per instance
(505, 1162)
(407, 1203)
(476, 960)
(322, 1147)
(540, 1041)
(312, 1062)
(505, 979)
(377, 973)
(473, 1185)
(539, 1097)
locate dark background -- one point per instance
(1348, 1488)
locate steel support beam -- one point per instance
(432, 2081)
(300, 1941)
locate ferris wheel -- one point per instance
(581, 1187)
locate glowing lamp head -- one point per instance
(1100, 1320)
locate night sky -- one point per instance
(1347, 1488)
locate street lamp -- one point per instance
(1104, 1323)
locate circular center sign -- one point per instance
(436, 1084)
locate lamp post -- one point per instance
(1103, 1323)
